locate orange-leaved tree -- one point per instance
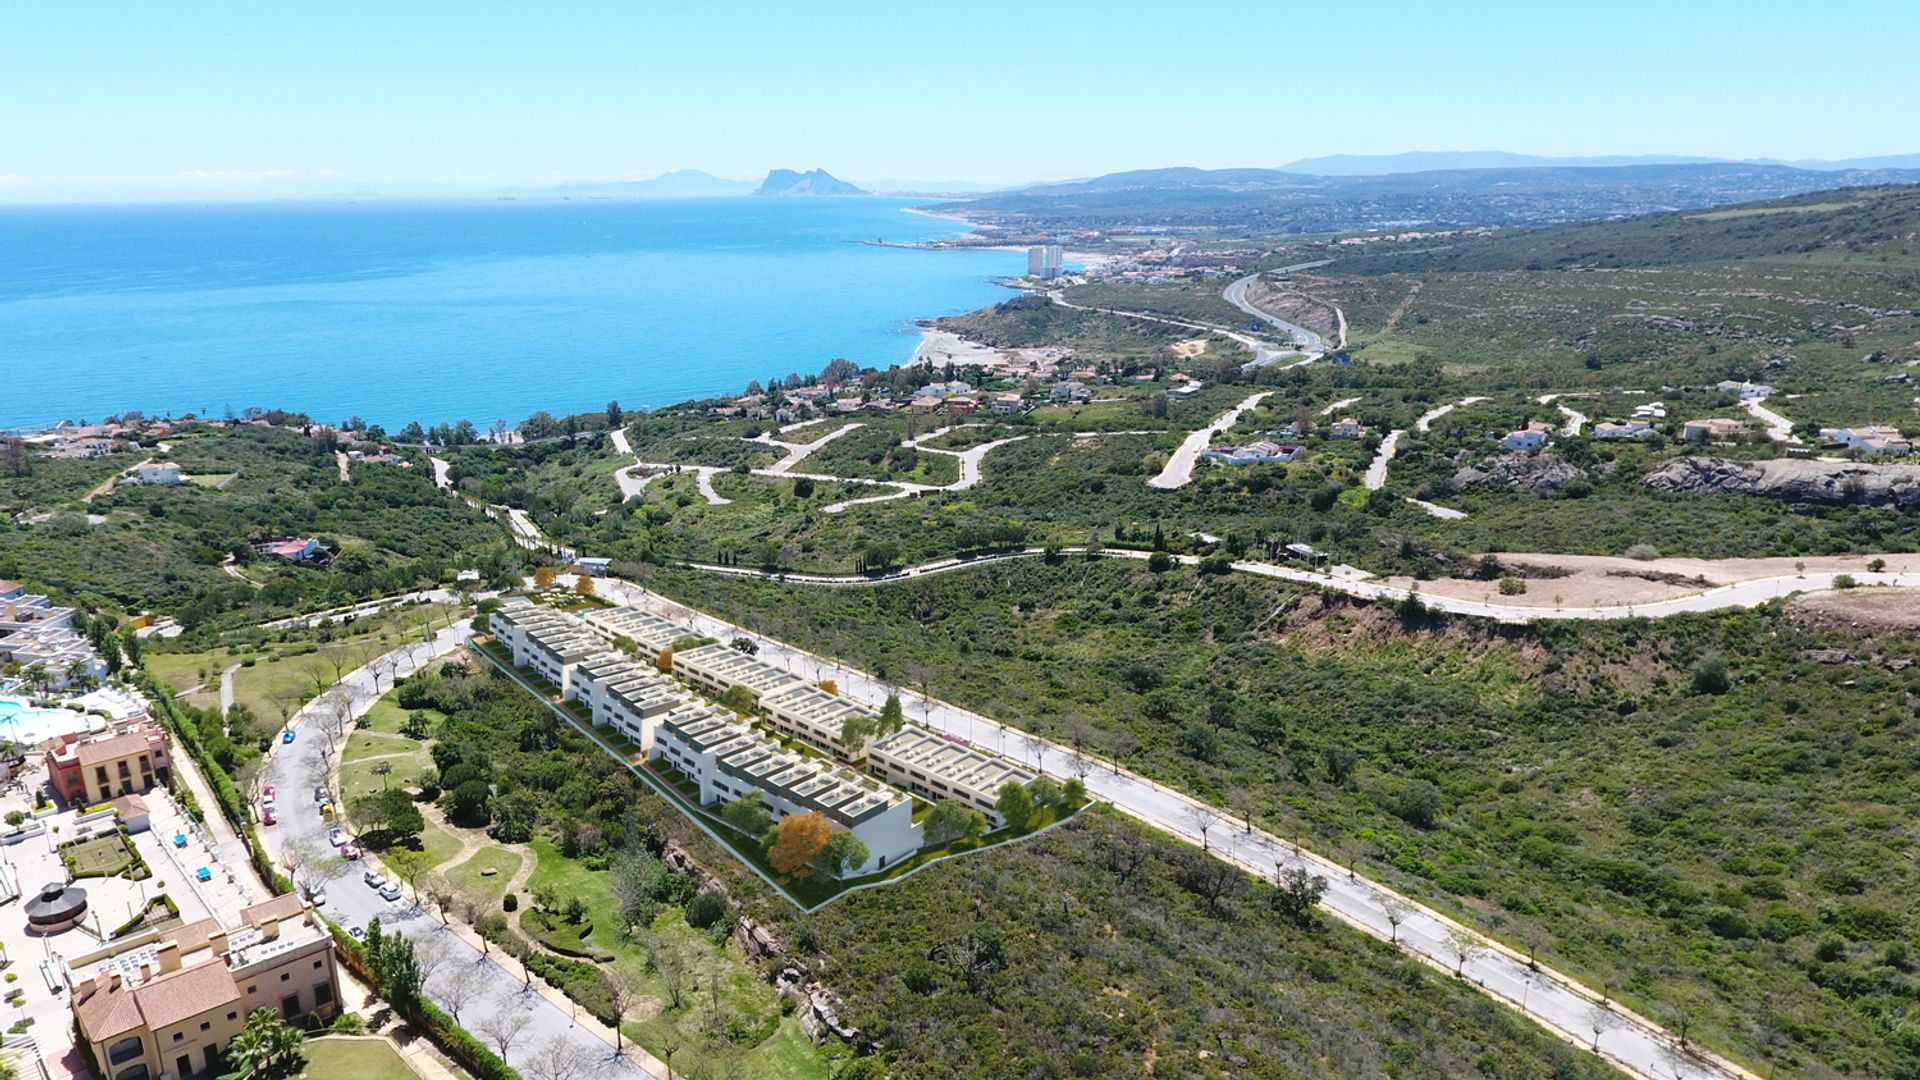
(583, 585)
(796, 841)
(830, 686)
(664, 661)
(543, 577)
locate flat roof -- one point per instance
(952, 762)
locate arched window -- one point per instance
(124, 1050)
(137, 1072)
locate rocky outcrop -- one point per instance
(816, 182)
(1520, 472)
(1793, 480)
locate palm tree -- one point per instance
(79, 675)
(36, 676)
(267, 1046)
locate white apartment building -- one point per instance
(805, 711)
(624, 695)
(544, 640)
(934, 766)
(729, 759)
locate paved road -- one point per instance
(1545, 996)
(1376, 477)
(438, 596)
(1179, 469)
(798, 452)
(440, 471)
(295, 769)
(1575, 420)
(1307, 340)
(1264, 353)
(1779, 428)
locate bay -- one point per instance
(438, 311)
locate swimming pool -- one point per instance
(28, 726)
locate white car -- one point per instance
(373, 879)
(317, 897)
(336, 837)
(390, 891)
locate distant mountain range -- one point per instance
(816, 182)
(678, 184)
(1283, 201)
(1430, 161)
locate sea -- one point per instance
(441, 311)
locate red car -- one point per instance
(268, 818)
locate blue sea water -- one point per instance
(441, 311)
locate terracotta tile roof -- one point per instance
(283, 908)
(105, 1013)
(129, 806)
(105, 750)
(184, 994)
(194, 935)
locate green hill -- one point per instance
(1878, 224)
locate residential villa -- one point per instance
(1185, 390)
(1632, 429)
(1652, 411)
(1747, 391)
(293, 548)
(1717, 429)
(128, 758)
(939, 768)
(157, 472)
(1006, 404)
(962, 405)
(1876, 440)
(1531, 437)
(1347, 428)
(168, 1003)
(1256, 452)
(1071, 391)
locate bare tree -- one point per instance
(503, 1026)
(305, 864)
(461, 984)
(626, 999)
(429, 954)
(1463, 946)
(1200, 819)
(671, 964)
(1035, 745)
(559, 1058)
(1397, 911)
(382, 668)
(443, 899)
(1602, 1020)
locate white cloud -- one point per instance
(14, 180)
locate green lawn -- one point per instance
(769, 1044)
(361, 1059)
(467, 879)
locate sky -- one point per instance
(222, 99)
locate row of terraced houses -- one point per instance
(729, 756)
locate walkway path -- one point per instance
(346, 469)
(1179, 468)
(1548, 997)
(226, 689)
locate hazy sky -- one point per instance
(230, 99)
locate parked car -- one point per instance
(286, 736)
(336, 837)
(357, 933)
(317, 897)
(267, 817)
(349, 852)
(319, 794)
(390, 891)
(373, 879)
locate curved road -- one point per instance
(1179, 469)
(1263, 352)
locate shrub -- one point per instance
(1710, 676)
(1512, 586)
(510, 902)
(1160, 562)
(1844, 581)
(1643, 551)
(706, 909)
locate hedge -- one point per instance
(452, 1039)
(173, 910)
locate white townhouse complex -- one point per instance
(645, 629)
(625, 696)
(805, 711)
(937, 767)
(718, 668)
(36, 633)
(729, 759)
(545, 640)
